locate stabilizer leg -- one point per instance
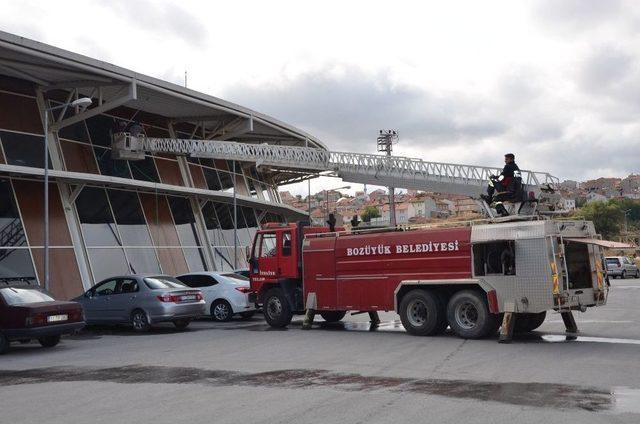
(569, 322)
(308, 319)
(374, 319)
(506, 330)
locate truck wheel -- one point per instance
(333, 316)
(422, 313)
(468, 315)
(49, 341)
(277, 311)
(4, 344)
(529, 322)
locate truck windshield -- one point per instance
(19, 296)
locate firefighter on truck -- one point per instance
(474, 279)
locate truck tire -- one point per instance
(422, 313)
(333, 316)
(468, 315)
(277, 311)
(529, 322)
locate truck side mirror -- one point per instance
(253, 263)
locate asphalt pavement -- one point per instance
(246, 372)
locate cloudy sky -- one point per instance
(557, 82)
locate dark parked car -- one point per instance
(142, 300)
(28, 312)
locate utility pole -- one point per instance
(386, 138)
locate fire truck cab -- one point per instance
(464, 277)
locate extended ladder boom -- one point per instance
(394, 171)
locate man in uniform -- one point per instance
(502, 183)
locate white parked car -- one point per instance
(226, 294)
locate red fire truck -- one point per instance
(466, 277)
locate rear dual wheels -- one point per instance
(422, 313)
(469, 317)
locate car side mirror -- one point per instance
(88, 295)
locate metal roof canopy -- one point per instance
(53, 68)
(96, 180)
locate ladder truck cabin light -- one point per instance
(504, 273)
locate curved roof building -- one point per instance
(165, 214)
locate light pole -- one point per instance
(626, 213)
(83, 102)
(385, 144)
(326, 193)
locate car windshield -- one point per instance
(235, 278)
(161, 282)
(20, 296)
(612, 261)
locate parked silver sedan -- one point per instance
(142, 300)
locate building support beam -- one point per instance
(108, 105)
(196, 207)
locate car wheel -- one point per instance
(637, 273)
(181, 324)
(277, 311)
(468, 315)
(4, 344)
(247, 315)
(333, 316)
(221, 311)
(422, 313)
(529, 322)
(49, 341)
(140, 321)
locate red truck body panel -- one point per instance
(362, 271)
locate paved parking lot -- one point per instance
(244, 371)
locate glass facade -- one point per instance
(115, 231)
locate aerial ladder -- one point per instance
(536, 198)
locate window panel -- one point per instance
(100, 128)
(195, 259)
(143, 261)
(108, 166)
(16, 264)
(144, 170)
(79, 157)
(19, 113)
(77, 131)
(211, 176)
(184, 220)
(11, 229)
(23, 149)
(98, 225)
(107, 263)
(129, 217)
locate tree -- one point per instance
(368, 213)
(606, 216)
